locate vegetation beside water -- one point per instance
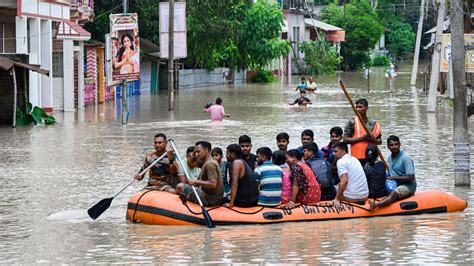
(263, 76)
(320, 57)
(241, 34)
(381, 60)
(34, 115)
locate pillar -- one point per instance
(46, 55)
(35, 58)
(68, 66)
(80, 77)
(100, 62)
(21, 35)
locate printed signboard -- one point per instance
(125, 46)
(446, 52)
(179, 15)
(461, 157)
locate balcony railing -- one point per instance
(293, 4)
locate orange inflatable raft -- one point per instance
(162, 208)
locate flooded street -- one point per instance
(51, 175)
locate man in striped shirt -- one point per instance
(269, 177)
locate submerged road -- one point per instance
(51, 175)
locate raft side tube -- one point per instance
(163, 208)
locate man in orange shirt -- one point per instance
(355, 134)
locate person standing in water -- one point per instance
(216, 110)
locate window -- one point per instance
(58, 71)
(295, 38)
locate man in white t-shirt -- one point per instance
(353, 186)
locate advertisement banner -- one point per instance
(125, 47)
(446, 52)
(179, 15)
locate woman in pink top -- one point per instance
(305, 188)
(216, 110)
(279, 158)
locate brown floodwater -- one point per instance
(51, 175)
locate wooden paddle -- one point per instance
(207, 217)
(362, 121)
(101, 206)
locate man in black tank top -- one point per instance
(244, 189)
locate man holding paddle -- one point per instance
(209, 185)
(357, 136)
(164, 173)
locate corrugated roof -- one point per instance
(8, 64)
(445, 27)
(321, 25)
(70, 30)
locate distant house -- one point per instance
(302, 26)
(48, 32)
(380, 48)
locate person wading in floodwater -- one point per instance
(217, 111)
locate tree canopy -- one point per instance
(148, 18)
(239, 34)
(235, 33)
(401, 39)
(362, 27)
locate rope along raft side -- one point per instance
(162, 208)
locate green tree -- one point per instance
(239, 34)
(148, 18)
(259, 40)
(362, 27)
(235, 33)
(401, 39)
(212, 27)
(320, 57)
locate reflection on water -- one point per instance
(51, 175)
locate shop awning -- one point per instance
(8, 64)
(333, 33)
(320, 25)
(446, 24)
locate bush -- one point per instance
(263, 76)
(362, 27)
(320, 57)
(381, 60)
(401, 39)
(34, 115)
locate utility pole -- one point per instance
(345, 11)
(171, 56)
(460, 129)
(124, 91)
(419, 33)
(433, 90)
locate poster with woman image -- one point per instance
(125, 46)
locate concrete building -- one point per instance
(43, 30)
(302, 25)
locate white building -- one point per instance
(43, 30)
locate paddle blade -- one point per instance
(207, 218)
(101, 206)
